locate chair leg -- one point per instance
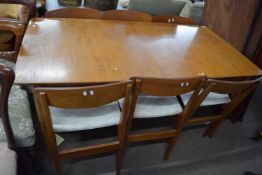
(119, 159)
(210, 132)
(57, 165)
(170, 146)
(27, 160)
(34, 159)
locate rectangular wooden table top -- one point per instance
(73, 51)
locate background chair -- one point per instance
(82, 13)
(183, 8)
(73, 109)
(17, 29)
(14, 14)
(154, 97)
(172, 19)
(229, 94)
(126, 15)
(8, 157)
(22, 128)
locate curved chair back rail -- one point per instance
(30, 4)
(73, 12)
(82, 98)
(7, 77)
(127, 15)
(231, 87)
(166, 87)
(172, 19)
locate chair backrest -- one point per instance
(172, 19)
(167, 87)
(126, 15)
(73, 12)
(7, 77)
(238, 91)
(83, 97)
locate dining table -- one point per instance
(81, 52)
(68, 52)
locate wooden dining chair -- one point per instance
(127, 15)
(8, 156)
(228, 94)
(73, 12)
(172, 19)
(83, 108)
(17, 126)
(153, 97)
(17, 29)
(12, 26)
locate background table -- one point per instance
(84, 51)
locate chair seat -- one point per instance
(8, 159)
(152, 106)
(7, 63)
(65, 120)
(211, 99)
(20, 118)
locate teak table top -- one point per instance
(72, 51)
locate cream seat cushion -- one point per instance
(65, 120)
(211, 99)
(153, 106)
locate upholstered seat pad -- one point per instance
(193, 11)
(7, 63)
(211, 99)
(157, 7)
(8, 159)
(8, 11)
(20, 118)
(153, 106)
(85, 119)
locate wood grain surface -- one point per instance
(231, 19)
(87, 51)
